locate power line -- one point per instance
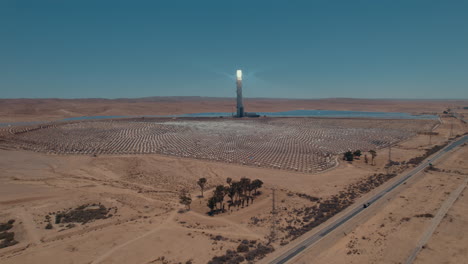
(390, 154)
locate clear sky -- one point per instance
(290, 49)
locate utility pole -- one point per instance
(390, 154)
(273, 217)
(389, 158)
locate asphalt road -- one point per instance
(298, 249)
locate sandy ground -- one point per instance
(144, 189)
(390, 235)
(16, 110)
(150, 226)
(448, 243)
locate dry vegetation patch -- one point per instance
(429, 152)
(302, 220)
(7, 238)
(82, 214)
(246, 250)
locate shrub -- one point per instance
(6, 226)
(259, 252)
(231, 257)
(242, 248)
(7, 239)
(425, 215)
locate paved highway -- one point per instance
(285, 257)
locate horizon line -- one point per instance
(216, 97)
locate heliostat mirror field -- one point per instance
(300, 144)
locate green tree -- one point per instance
(211, 204)
(348, 156)
(202, 182)
(185, 198)
(238, 188)
(357, 153)
(256, 184)
(232, 191)
(219, 194)
(245, 185)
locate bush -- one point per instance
(231, 257)
(7, 235)
(242, 248)
(218, 238)
(425, 215)
(259, 252)
(58, 217)
(419, 159)
(7, 239)
(6, 226)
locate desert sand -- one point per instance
(137, 218)
(16, 110)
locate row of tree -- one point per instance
(240, 193)
(350, 156)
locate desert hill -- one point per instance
(14, 110)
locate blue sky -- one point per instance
(288, 49)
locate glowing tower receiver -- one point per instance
(239, 75)
(240, 106)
